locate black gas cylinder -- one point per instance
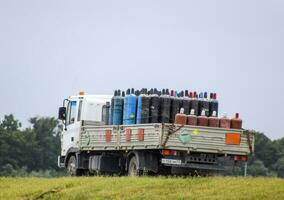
(175, 107)
(154, 107)
(213, 104)
(194, 103)
(165, 101)
(204, 104)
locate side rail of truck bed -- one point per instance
(165, 136)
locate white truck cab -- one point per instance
(76, 109)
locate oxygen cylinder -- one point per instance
(118, 109)
(165, 107)
(213, 104)
(143, 108)
(154, 106)
(129, 110)
(194, 103)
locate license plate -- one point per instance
(171, 161)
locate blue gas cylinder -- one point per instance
(129, 110)
(118, 109)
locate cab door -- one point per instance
(70, 136)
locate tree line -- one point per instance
(33, 151)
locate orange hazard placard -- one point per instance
(233, 138)
(108, 135)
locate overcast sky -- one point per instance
(52, 49)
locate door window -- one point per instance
(71, 112)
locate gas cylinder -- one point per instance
(192, 118)
(181, 118)
(225, 122)
(185, 102)
(236, 122)
(213, 104)
(214, 121)
(194, 103)
(175, 106)
(118, 109)
(165, 106)
(129, 110)
(143, 108)
(205, 104)
(202, 120)
(111, 108)
(154, 106)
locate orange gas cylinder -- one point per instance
(225, 122)
(181, 118)
(202, 120)
(213, 120)
(236, 122)
(192, 119)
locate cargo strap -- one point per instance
(171, 131)
(248, 133)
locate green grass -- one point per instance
(141, 188)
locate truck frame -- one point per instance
(88, 146)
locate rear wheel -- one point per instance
(133, 167)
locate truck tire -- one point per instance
(133, 167)
(72, 169)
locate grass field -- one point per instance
(141, 188)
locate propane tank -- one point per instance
(165, 106)
(118, 108)
(143, 108)
(192, 118)
(202, 120)
(213, 104)
(214, 121)
(129, 110)
(181, 118)
(154, 106)
(236, 122)
(225, 122)
(194, 102)
(204, 104)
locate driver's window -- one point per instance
(71, 112)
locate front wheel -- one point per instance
(72, 169)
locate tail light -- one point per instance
(168, 152)
(240, 158)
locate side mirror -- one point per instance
(62, 113)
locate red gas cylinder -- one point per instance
(192, 119)
(181, 118)
(202, 120)
(236, 122)
(225, 122)
(213, 120)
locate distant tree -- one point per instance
(10, 123)
(257, 169)
(279, 167)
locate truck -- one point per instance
(89, 146)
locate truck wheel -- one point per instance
(72, 167)
(133, 167)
